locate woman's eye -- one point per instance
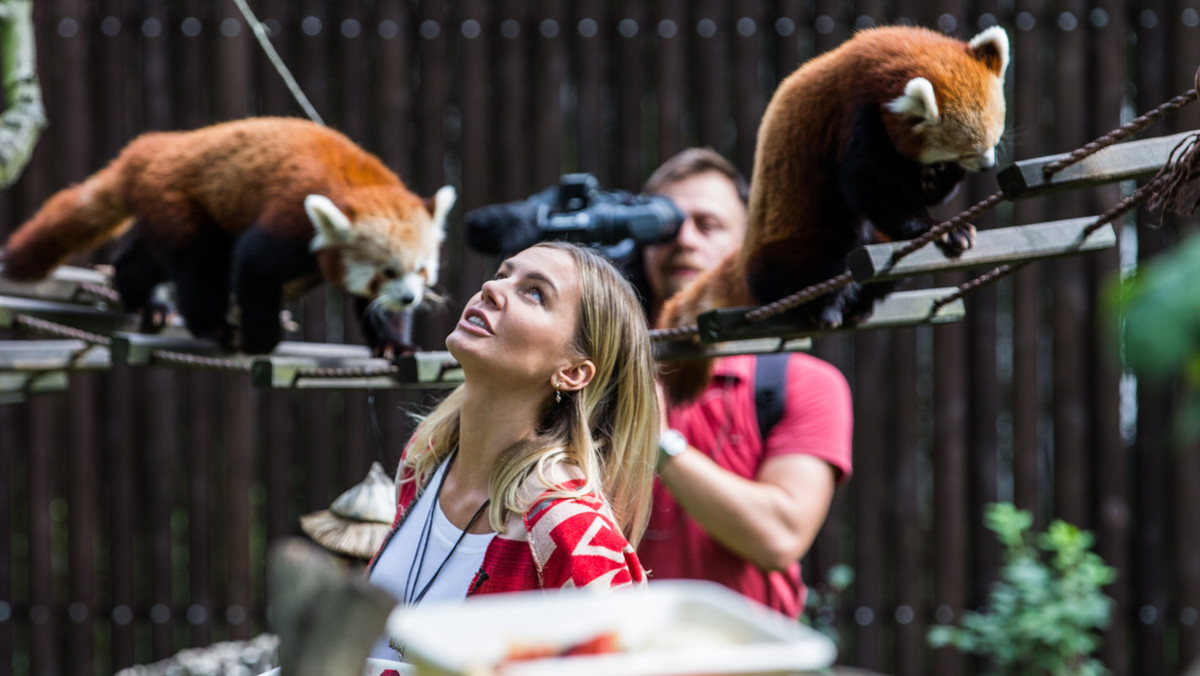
(536, 293)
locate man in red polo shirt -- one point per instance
(729, 505)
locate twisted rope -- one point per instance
(1126, 130)
(100, 291)
(198, 361)
(996, 274)
(347, 372)
(60, 330)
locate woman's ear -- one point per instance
(576, 376)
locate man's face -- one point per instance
(715, 228)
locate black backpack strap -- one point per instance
(770, 384)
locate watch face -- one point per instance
(672, 442)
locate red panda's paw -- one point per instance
(957, 239)
(156, 316)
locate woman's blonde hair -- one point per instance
(608, 429)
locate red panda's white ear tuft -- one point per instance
(918, 100)
(442, 202)
(991, 47)
(332, 226)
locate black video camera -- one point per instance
(576, 210)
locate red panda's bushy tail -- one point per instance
(72, 221)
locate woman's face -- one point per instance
(521, 324)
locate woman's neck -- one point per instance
(490, 422)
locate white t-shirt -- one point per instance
(403, 551)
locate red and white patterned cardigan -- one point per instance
(557, 543)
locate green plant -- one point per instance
(825, 598)
(1157, 312)
(1043, 612)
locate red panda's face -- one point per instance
(387, 244)
(955, 111)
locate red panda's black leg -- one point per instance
(200, 270)
(891, 191)
(262, 264)
(137, 271)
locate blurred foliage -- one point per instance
(1043, 612)
(825, 600)
(1158, 310)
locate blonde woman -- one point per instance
(536, 472)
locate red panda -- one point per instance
(251, 207)
(855, 146)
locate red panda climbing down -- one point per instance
(855, 146)
(251, 207)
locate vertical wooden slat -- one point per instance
(346, 31)
(1024, 87)
(586, 31)
(513, 101)
(237, 436)
(906, 529)
(464, 265)
(9, 451)
(201, 446)
(633, 35)
(233, 54)
(750, 29)
(162, 439)
(121, 469)
(949, 480)
(1111, 459)
(46, 416)
(669, 30)
(278, 433)
(116, 464)
(352, 57)
(550, 34)
(78, 453)
(870, 400)
(313, 65)
(1185, 63)
(1151, 596)
(1070, 293)
(395, 119)
(433, 37)
(158, 477)
(707, 31)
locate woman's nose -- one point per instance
(492, 292)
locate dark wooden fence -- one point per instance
(136, 507)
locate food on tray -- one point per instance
(601, 644)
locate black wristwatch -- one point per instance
(671, 443)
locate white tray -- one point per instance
(373, 667)
(670, 628)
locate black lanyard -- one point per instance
(414, 572)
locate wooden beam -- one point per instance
(678, 350)
(64, 284)
(83, 317)
(356, 370)
(429, 370)
(52, 355)
(903, 308)
(14, 385)
(873, 263)
(138, 349)
(1118, 162)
